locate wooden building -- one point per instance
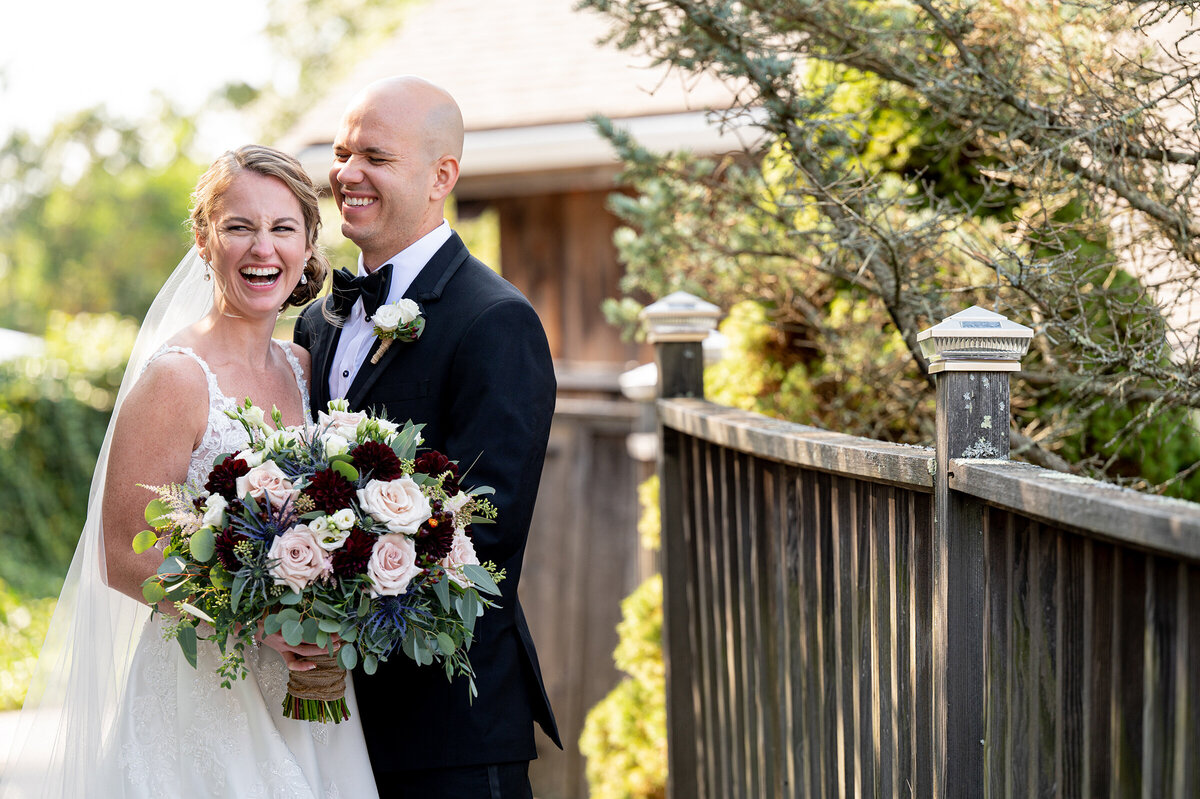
(528, 74)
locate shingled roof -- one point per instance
(527, 75)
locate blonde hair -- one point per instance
(272, 163)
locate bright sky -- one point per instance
(58, 56)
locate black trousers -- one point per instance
(496, 781)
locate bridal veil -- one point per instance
(84, 663)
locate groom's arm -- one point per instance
(501, 404)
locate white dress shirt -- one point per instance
(358, 335)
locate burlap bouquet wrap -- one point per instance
(318, 694)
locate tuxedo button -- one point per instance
(345, 373)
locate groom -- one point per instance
(481, 379)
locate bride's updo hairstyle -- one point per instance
(275, 164)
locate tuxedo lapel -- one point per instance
(426, 290)
(323, 363)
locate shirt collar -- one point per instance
(407, 263)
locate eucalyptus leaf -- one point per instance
(350, 635)
(310, 628)
(171, 566)
(239, 585)
(345, 470)
(481, 578)
(289, 614)
(370, 664)
(290, 598)
(202, 544)
(324, 609)
(322, 639)
(293, 632)
(347, 657)
(272, 624)
(329, 626)
(446, 644)
(482, 520)
(153, 592)
(195, 611)
(143, 541)
(442, 589)
(156, 514)
(364, 605)
(219, 577)
(187, 642)
(481, 491)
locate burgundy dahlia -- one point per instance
(436, 536)
(329, 491)
(223, 477)
(351, 558)
(377, 460)
(435, 464)
(227, 539)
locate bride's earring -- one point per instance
(207, 271)
(303, 278)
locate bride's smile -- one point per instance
(256, 245)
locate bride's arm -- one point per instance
(160, 423)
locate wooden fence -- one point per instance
(849, 618)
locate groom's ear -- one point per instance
(445, 175)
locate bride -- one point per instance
(115, 710)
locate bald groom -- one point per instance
(481, 379)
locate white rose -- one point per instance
(302, 561)
(343, 519)
(390, 317)
(251, 458)
(462, 553)
(267, 480)
(393, 565)
(343, 423)
(214, 511)
(335, 444)
(398, 504)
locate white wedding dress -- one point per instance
(178, 733)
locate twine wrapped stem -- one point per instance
(318, 694)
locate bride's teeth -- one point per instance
(358, 201)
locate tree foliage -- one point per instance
(914, 157)
(95, 216)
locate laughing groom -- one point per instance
(480, 377)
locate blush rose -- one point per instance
(302, 561)
(398, 504)
(393, 565)
(267, 479)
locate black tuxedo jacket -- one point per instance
(481, 379)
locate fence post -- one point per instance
(971, 354)
(676, 325)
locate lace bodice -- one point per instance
(222, 434)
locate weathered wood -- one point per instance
(1167, 526)
(844, 647)
(972, 422)
(680, 370)
(678, 648)
(800, 445)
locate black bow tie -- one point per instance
(372, 288)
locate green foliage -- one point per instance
(905, 165)
(625, 735)
(97, 220)
(23, 625)
(53, 414)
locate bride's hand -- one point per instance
(293, 656)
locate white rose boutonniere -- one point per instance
(400, 320)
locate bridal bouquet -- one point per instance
(339, 535)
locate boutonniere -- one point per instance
(400, 320)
